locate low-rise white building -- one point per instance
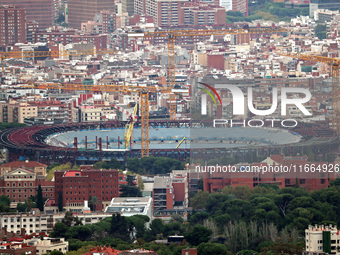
(46, 244)
(129, 206)
(322, 240)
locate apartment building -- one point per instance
(46, 245)
(77, 186)
(322, 240)
(82, 11)
(17, 112)
(12, 25)
(40, 11)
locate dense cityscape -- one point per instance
(169, 127)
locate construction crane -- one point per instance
(129, 127)
(144, 102)
(53, 53)
(334, 64)
(174, 34)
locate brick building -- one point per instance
(12, 25)
(198, 14)
(20, 184)
(40, 11)
(82, 11)
(76, 186)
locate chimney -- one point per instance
(23, 232)
(5, 231)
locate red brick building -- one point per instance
(39, 10)
(76, 186)
(20, 184)
(12, 25)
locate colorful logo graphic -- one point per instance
(204, 97)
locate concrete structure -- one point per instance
(40, 11)
(322, 240)
(80, 11)
(322, 15)
(129, 206)
(45, 245)
(77, 186)
(12, 25)
(332, 5)
(170, 193)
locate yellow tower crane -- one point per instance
(174, 34)
(334, 64)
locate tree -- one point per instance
(199, 200)
(198, 235)
(4, 203)
(69, 220)
(212, 248)
(59, 230)
(40, 199)
(130, 191)
(60, 201)
(140, 183)
(119, 227)
(93, 201)
(129, 180)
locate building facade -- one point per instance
(12, 25)
(82, 11)
(40, 11)
(322, 240)
(20, 184)
(77, 186)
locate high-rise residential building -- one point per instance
(39, 10)
(140, 7)
(197, 14)
(128, 6)
(164, 12)
(12, 25)
(241, 6)
(82, 11)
